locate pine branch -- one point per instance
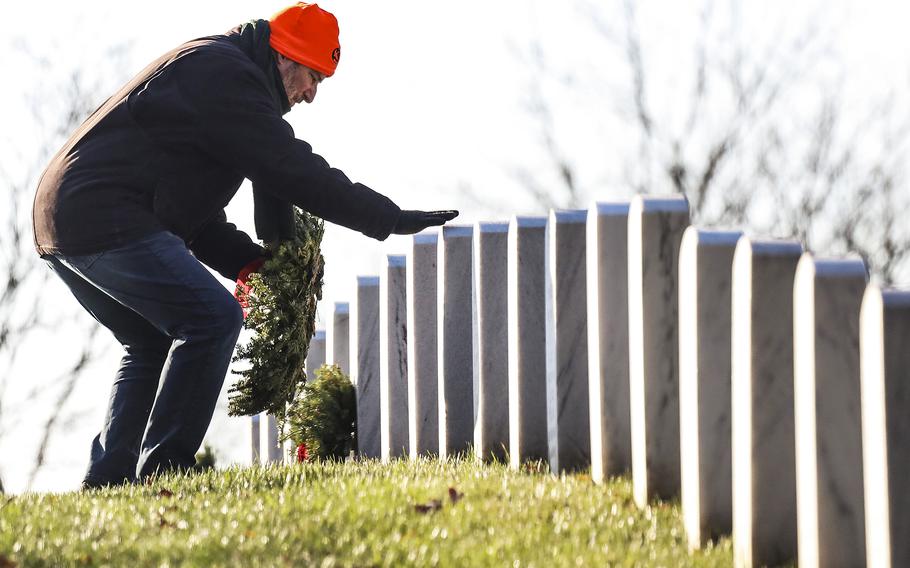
(324, 417)
(282, 313)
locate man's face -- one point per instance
(300, 82)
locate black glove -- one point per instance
(410, 222)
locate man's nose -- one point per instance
(311, 93)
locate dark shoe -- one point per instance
(92, 484)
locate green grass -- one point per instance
(351, 514)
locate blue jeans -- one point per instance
(178, 326)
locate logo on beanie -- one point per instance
(336, 55)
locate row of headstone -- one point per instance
(735, 373)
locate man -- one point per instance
(134, 201)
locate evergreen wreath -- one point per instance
(324, 416)
(282, 313)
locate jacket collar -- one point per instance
(252, 38)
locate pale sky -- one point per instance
(427, 96)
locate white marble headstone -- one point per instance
(764, 463)
(455, 337)
(885, 385)
(254, 430)
(315, 356)
(705, 274)
(491, 374)
(568, 405)
(656, 226)
(527, 340)
(608, 339)
(829, 454)
(365, 365)
(269, 450)
(393, 363)
(423, 356)
(338, 337)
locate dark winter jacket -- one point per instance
(171, 148)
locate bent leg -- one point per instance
(115, 450)
(159, 279)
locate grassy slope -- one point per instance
(361, 514)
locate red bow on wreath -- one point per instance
(301, 453)
(242, 290)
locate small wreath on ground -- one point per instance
(323, 419)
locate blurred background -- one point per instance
(784, 119)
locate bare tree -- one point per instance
(756, 134)
(53, 109)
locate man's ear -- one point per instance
(283, 62)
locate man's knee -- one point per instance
(230, 317)
(222, 320)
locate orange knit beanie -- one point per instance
(307, 34)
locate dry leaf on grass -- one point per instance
(429, 507)
(454, 495)
(5, 562)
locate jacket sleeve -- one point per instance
(239, 126)
(225, 248)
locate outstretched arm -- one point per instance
(410, 222)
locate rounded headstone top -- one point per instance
(320, 335)
(492, 227)
(849, 267)
(426, 238)
(450, 231)
(396, 260)
(610, 208)
(893, 298)
(711, 237)
(660, 204)
(569, 215)
(526, 222)
(368, 281)
(342, 307)
(896, 298)
(771, 247)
